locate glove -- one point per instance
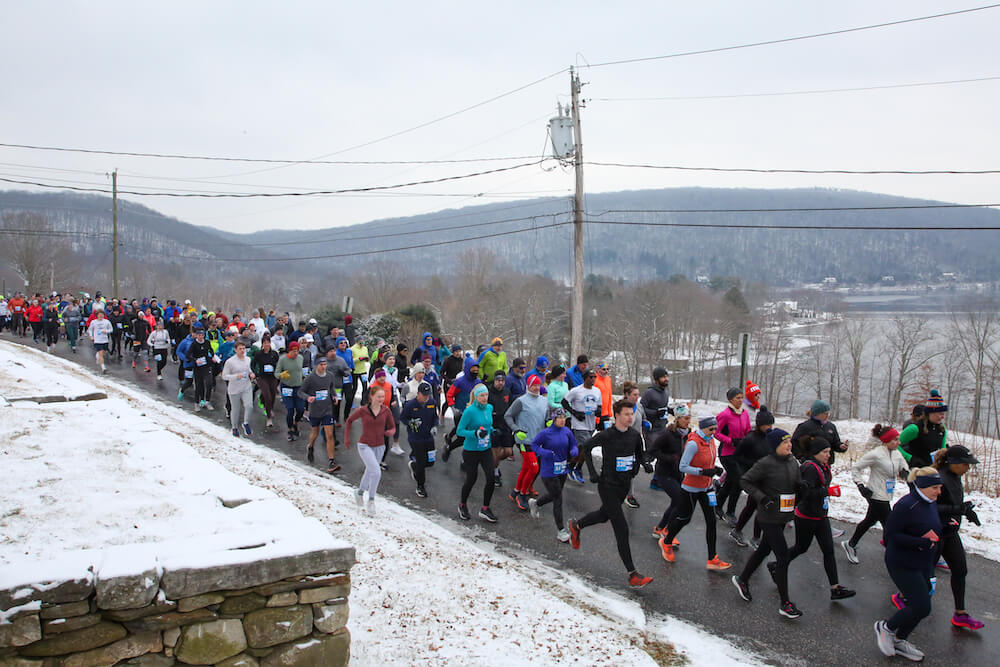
(865, 491)
(971, 515)
(579, 415)
(767, 504)
(520, 435)
(594, 479)
(481, 432)
(646, 425)
(285, 375)
(434, 430)
(834, 490)
(712, 472)
(648, 467)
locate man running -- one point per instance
(584, 404)
(318, 390)
(420, 418)
(100, 332)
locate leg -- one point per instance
(199, 386)
(824, 538)
(954, 554)
(871, 516)
(805, 529)
(709, 512)
(673, 490)
(331, 443)
(486, 463)
(369, 480)
(555, 487)
(730, 493)
(612, 502)
(529, 470)
(234, 411)
(470, 464)
(748, 511)
(915, 587)
(683, 517)
(418, 457)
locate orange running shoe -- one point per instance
(667, 550)
(718, 564)
(636, 580)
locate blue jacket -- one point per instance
(517, 386)
(226, 350)
(182, 349)
(474, 417)
(574, 376)
(347, 356)
(463, 384)
(554, 447)
(418, 353)
(418, 419)
(911, 517)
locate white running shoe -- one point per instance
(370, 507)
(852, 552)
(562, 535)
(885, 638)
(908, 650)
(396, 449)
(359, 498)
(533, 508)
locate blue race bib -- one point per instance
(287, 392)
(624, 463)
(431, 455)
(712, 499)
(559, 468)
(322, 394)
(826, 503)
(890, 486)
(268, 368)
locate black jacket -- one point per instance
(451, 367)
(666, 451)
(950, 502)
(769, 479)
(815, 428)
(261, 359)
(621, 453)
(816, 479)
(751, 448)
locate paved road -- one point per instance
(829, 633)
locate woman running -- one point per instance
(666, 452)
(557, 387)
(749, 450)
(884, 464)
(554, 447)
(159, 342)
(927, 434)
(771, 483)
(811, 512)
(264, 363)
(734, 424)
(698, 465)
(475, 428)
(912, 534)
(376, 424)
(236, 372)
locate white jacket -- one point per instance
(883, 465)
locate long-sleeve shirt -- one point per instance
(236, 372)
(554, 446)
(527, 414)
(621, 454)
(419, 418)
(100, 330)
(294, 368)
(374, 428)
(322, 388)
(884, 466)
(474, 417)
(159, 339)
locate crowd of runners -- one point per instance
(564, 424)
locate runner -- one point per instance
(516, 382)
(201, 354)
(100, 332)
(360, 370)
(812, 511)
(141, 328)
(666, 452)
(50, 325)
(265, 361)
(884, 464)
(420, 418)
(927, 434)
(557, 388)
(584, 405)
(698, 465)
(159, 342)
(457, 398)
(655, 403)
(72, 315)
(320, 395)
(818, 424)
(451, 368)
(749, 450)
(236, 372)
(492, 359)
(540, 369)
(621, 452)
(554, 447)
(526, 419)
(376, 425)
(289, 372)
(912, 533)
(501, 438)
(575, 375)
(347, 386)
(185, 371)
(34, 313)
(771, 483)
(734, 424)
(475, 428)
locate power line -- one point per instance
(804, 209)
(216, 158)
(753, 170)
(249, 195)
(798, 38)
(371, 252)
(818, 91)
(728, 225)
(54, 232)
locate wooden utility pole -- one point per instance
(576, 314)
(114, 232)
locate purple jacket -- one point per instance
(732, 427)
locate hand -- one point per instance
(310, 399)
(834, 490)
(594, 479)
(285, 375)
(520, 435)
(648, 467)
(579, 415)
(481, 432)
(931, 535)
(253, 377)
(712, 472)
(865, 491)
(971, 515)
(434, 430)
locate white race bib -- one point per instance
(826, 502)
(200, 361)
(287, 392)
(119, 325)
(268, 368)
(890, 486)
(484, 442)
(624, 463)
(786, 502)
(158, 357)
(215, 358)
(322, 394)
(189, 374)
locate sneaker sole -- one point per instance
(718, 568)
(853, 560)
(790, 616)
(747, 597)
(878, 642)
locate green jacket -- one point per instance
(490, 362)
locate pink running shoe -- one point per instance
(966, 621)
(898, 601)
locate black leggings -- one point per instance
(553, 494)
(805, 530)
(611, 510)
(163, 353)
(773, 540)
(471, 462)
(186, 382)
(954, 554)
(746, 514)
(346, 400)
(418, 454)
(916, 588)
(683, 518)
(51, 334)
(878, 510)
(672, 488)
(203, 383)
(730, 493)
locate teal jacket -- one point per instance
(474, 416)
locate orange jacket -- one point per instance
(604, 385)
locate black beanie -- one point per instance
(818, 444)
(764, 418)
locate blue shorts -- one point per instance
(100, 347)
(316, 422)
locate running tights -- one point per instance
(773, 540)
(529, 471)
(418, 454)
(370, 456)
(805, 530)
(161, 363)
(553, 494)
(611, 510)
(472, 461)
(878, 510)
(730, 493)
(51, 334)
(268, 385)
(916, 588)
(684, 514)
(203, 383)
(672, 488)
(954, 554)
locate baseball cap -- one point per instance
(424, 388)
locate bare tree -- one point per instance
(43, 259)
(856, 337)
(907, 350)
(974, 333)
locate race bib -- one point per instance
(431, 455)
(119, 325)
(713, 500)
(786, 502)
(484, 442)
(933, 585)
(215, 358)
(158, 357)
(200, 361)
(189, 374)
(826, 503)
(305, 372)
(558, 467)
(322, 394)
(589, 412)
(268, 368)
(287, 392)
(890, 486)
(624, 463)
(338, 392)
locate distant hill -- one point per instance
(779, 257)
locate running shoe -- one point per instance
(532, 493)
(497, 482)
(563, 535)
(359, 498)
(146, 369)
(533, 508)
(291, 436)
(396, 449)
(463, 512)
(636, 580)
(885, 638)
(942, 565)
(180, 396)
(246, 429)
(754, 543)
(310, 454)
(269, 424)
(332, 467)
(966, 621)
(383, 465)
(512, 496)
(486, 514)
(737, 537)
(666, 550)
(209, 407)
(236, 432)
(576, 476)
(631, 501)
(522, 502)
(370, 507)
(742, 587)
(851, 551)
(421, 492)
(159, 378)
(717, 565)
(659, 532)
(908, 650)
(719, 514)
(446, 454)
(730, 519)
(197, 407)
(898, 601)
(837, 533)
(841, 593)
(413, 474)
(574, 534)
(789, 610)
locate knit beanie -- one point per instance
(935, 403)
(818, 444)
(764, 417)
(534, 380)
(557, 371)
(542, 362)
(752, 394)
(478, 390)
(682, 410)
(819, 406)
(776, 436)
(707, 422)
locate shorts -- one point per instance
(316, 422)
(100, 347)
(500, 439)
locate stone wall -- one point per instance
(240, 611)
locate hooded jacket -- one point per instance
(814, 495)
(490, 362)
(460, 392)
(814, 427)
(418, 353)
(347, 356)
(732, 426)
(476, 416)
(655, 402)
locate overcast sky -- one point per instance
(297, 80)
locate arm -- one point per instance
(864, 463)
(750, 481)
(722, 434)
(464, 428)
(228, 373)
(510, 417)
(306, 387)
(690, 449)
(894, 531)
(908, 435)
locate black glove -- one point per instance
(648, 467)
(865, 491)
(767, 504)
(712, 472)
(579, 415)
(594, 479)
(970, 513)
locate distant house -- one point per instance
(702, 280)
(888, 279)
(829, 280)
(949, 276)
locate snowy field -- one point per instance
(424, 592)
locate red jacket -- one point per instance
(35, 313)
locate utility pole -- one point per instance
(576, 314)
(114, 232)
